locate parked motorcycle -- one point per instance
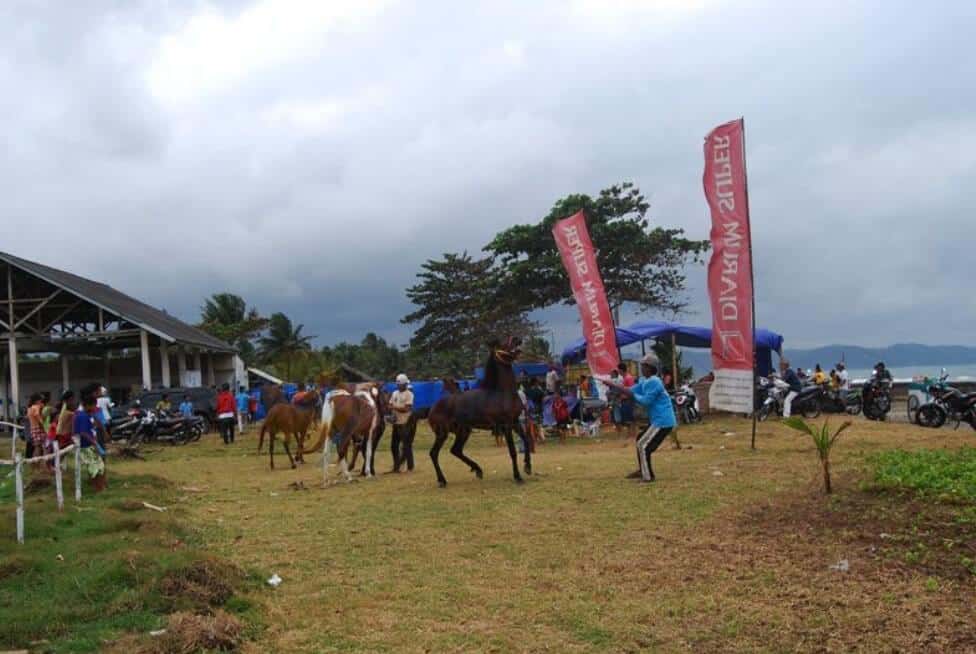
(807, 402)
(686, 405)
(163, 428)
(948, 404)
(876, 397)
(837, 401)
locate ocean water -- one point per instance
(961, 372)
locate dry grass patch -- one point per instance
(729, 551)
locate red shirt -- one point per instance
(225, 403)
(628, 379)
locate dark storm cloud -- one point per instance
(311, 155)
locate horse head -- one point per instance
(506, 352)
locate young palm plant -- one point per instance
(823, 440)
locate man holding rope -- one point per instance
(650, 393)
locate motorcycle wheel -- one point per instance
(695, 415)
(913, 405)
(764, 413)
(931, 415)
(853, 409)
(811, 409)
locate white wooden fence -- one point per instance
(17, 461)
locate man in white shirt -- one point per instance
(552, 380)
(404, 427)
(104, 404)
(844, 377)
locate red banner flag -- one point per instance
(579, 259)
(730, 269)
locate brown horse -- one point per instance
(292, 421)
(357, 416)
(494, 405)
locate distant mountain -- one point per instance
(894, 356)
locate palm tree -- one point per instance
(283, 341)
(227, 317)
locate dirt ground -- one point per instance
(730, 550)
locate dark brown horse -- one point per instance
(494, 405)
(290, 420)
(358, 418)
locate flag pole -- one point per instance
(752, 280)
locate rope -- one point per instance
(35, 459)
(10, 424)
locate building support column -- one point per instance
(14, 378)
(4, 395)
(144, 353)
(164, 361)
(65, 377)
(106, 370)
(197, 364)
(181, 364)
(211, 373)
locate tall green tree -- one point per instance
(640, 264)
(372, 355)
(461, 306)
(226, 316)
(283, 342)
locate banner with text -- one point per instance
(730, 269)
(579, 258)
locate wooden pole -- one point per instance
(19, 472)
(752, 283)
(57, 475)
(77, 468)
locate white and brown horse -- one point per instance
(356, 415)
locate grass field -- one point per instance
(729, 550)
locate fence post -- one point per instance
(19, 472)
(13, 443)
(77, 442)
(57, 475)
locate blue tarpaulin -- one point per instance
(767, 342)
(426, 393)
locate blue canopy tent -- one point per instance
(767, 342)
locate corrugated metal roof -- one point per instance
(128, 308)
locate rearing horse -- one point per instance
(494, 405)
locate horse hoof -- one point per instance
(442, 484)
(528, 469)
(519, 480)
(293, 466)
(479, 473)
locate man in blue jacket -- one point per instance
(649, 391)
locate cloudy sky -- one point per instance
(310, 155)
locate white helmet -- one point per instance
(402, 379)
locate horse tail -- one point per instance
(328, 411)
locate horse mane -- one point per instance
(491, 371)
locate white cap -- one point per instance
(650, 360)
(402, 379)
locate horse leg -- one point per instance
(343, 451)
(510, 441)
(284, 442)
(440, 435)
(458, 450)
(527, 444)
(271, 441)
(368, 457)
(326, 449)
(376, 446)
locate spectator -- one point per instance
(37, 434)
(164, 405)
(104, 404)
(226, 408)
(402, 441)
(552, 380)
(85, 427)
(186, 407)
(242, 402)
(819, 378)
(47, 412)
(66, 418)
(843, 377)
